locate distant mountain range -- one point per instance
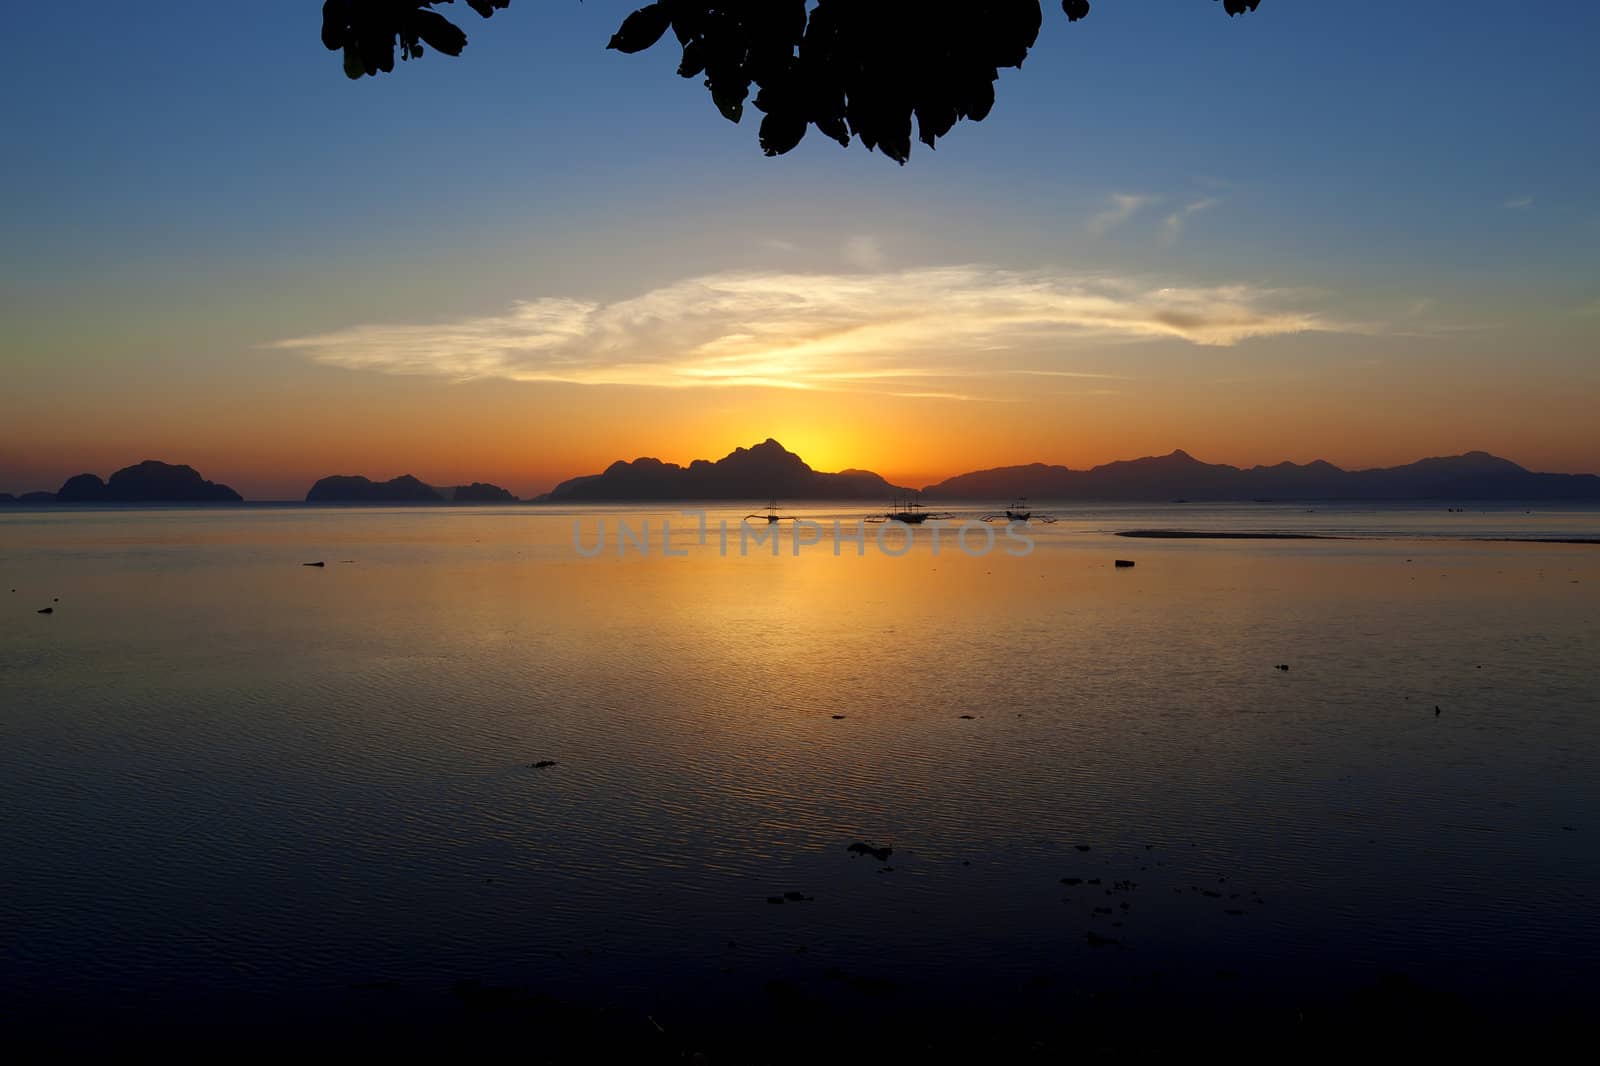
(755, 473)
(346, 488)
(768, 470)
(1180, 476)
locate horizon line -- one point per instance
(1178, 451)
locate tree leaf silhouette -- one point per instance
(438, 31)
(368, 31)
(855, 69)
(642, 29)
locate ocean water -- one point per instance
(239, 788)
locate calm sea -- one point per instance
(237, 787)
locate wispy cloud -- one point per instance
(906, 332)
(1520, 203)
(1423, 318)
(1123, 206)
(864, 252)
(1172, 225)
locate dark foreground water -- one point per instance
(240, 794)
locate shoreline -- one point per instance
(1198, 534)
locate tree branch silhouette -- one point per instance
(862, 69)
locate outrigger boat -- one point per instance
(1019, 511)
(772, 516)
(910, 512)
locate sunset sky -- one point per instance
(1364, 232)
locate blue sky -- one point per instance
(186, 183)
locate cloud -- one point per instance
(1520, 203)
(1123, 206)
(864, 253)
(911, 331)
(1172, 225)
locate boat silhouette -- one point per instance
(1019, 511)
(909, 511)
(772, 517)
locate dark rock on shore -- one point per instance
(1123, 564)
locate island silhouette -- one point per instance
(151, 481)
(353, 488)
(763, 471)
(1476, 475)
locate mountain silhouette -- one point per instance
(1476, 475)
(768, 470)
(350, 488)
(480, 492)
(755, 473)
(146, 482)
